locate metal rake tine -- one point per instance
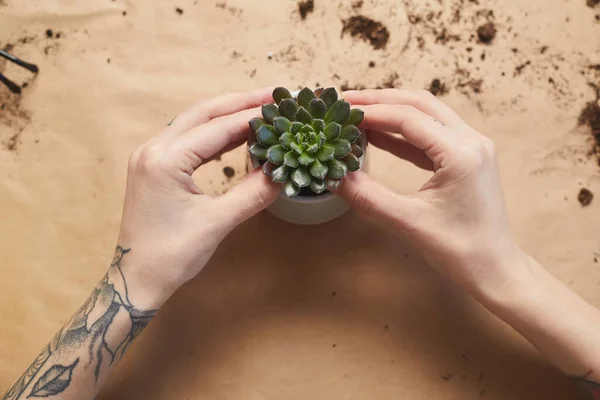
(31, 67)
(13, 87)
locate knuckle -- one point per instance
(151, 158)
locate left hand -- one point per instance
(171, 227)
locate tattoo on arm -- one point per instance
(90, 342)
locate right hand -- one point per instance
(457, 219)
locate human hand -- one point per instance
(458, 218)
(171, 227)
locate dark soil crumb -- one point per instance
(49, 33)
(519, 68)
(437, 87)
(486, 33)
(474, 84)
(124, 13)
(229, 172)
(368, 30)
(357, 5)
(218, 158)
(585, 197)
(592, 3)
(306, 7)
(179, 10)
(346, 86)
(390, 82)
(444, 37)
(543, 49)
(108, 60)
(371, 64)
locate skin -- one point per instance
(457, 221)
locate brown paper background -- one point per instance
(356, 315)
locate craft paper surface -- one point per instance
(360, 317)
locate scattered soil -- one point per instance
(229, 172)
(592, 3)
(179, 10)
(590, 117)
(371, 64)
(13, 119)
(357, 5)
(585, 197)
(306, 7)
(368, 30)
(486, 33)
(390, 82)
(519, 68)
(437, 87)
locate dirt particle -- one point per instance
(486, 33)
(592, 3)
(437, 87)
(229, 172)
(357, 5)
(108, 60)
(519, 68)
(49, 33)
(124, 13)
(390, 82)
(334, 345)
(306, 7)
(13, 119)
(371, 64)
(543, 49)
(368, 30)
(585, 197)
(179, 11)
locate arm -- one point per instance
(458, 222)
(169, 230)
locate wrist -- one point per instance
(135, 279)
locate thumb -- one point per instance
(250, 197)
(372, 198)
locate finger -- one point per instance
(250, 197)
(421, 100)
(206, 110)
(419, 129)
(372, 198)
(227, 149)
(210, 139)
(400, 147)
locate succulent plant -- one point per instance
(307, 142)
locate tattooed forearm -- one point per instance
(95, 338)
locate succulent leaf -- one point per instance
(258, 152)
(303, 116)
(268, 168)
(281, 93)
(296, 127)
(286, 140)
(291, 159)
(305, 96)
(317, 108)
(282, 124)
(312, 149)
(288, 108)
(270, 111)
(318, 170)
(337, 169)
(256, 123)
(338, 112)
(352, 162)
(325, 153)
(357, 150)
(305, 158)
(301, 177)
(318, 125)
(296, 147)
(356, 117)
(333, 184)
(267, 135)
(322, 139)
(350, 133)
(332, 131)
(281, 174)
(318, 186)
(275, 154)
(341, 147)
(329, 96)
(290, 190)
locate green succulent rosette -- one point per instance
(307, 142)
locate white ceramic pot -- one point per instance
(311, 210)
